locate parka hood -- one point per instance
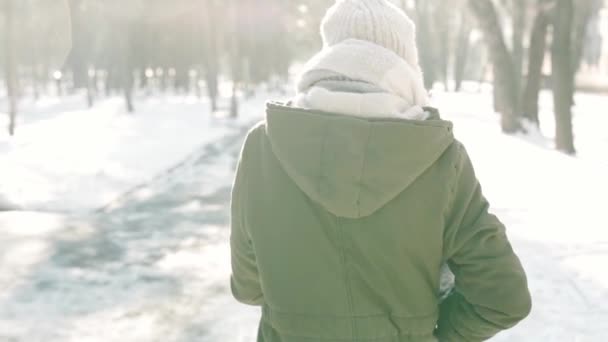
(354, 166)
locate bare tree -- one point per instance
(425, 42)
(211, 47)
(583, 12)
(10, 66)
(127, 69)
(518, 10)
(536, 58)
(563, 77)
(462, 50)
(505, 77)
(442, 33)
(235, 56)
(77, 59)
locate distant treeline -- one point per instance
(113, 46)
(125, 43)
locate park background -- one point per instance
(121, 123)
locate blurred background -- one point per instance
(121, 123)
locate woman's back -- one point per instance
(347, 222)
(350, 200)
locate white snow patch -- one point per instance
(74, 160)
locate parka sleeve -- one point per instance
(491, 292)
(244, 281)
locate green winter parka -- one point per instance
(340, 226)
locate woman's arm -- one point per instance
(244, 282)
(491, 292)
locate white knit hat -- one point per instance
(376, 21)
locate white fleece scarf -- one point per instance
(401, 91)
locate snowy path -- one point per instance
(151, 268)
(154, 266)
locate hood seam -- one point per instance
(363, 163)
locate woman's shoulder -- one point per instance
(256, 133)
(255, 139)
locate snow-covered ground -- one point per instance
(555, 209)
(67, 158)
(154, 265)
(145, 267)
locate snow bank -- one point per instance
(68, 159)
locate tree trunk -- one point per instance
(425, 38)
(34, 82)
(462, 51)
(583, 13)
(536, 58)
(110, 81)
(127, 86)
(234, 101)
(128, 93)
(144, 81)
(519, 26)
(210, 53)
(504, 70)
(58, 77)
(10, 64)
(77, 58)
(499, 101)
(91, 87)
(79, 72)
(181, 80)
(236, 76)
(41, 77)
(563, 80)
(212, 88)
(197, 84)
(443, 43)
(128, 77)
(235, 59)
